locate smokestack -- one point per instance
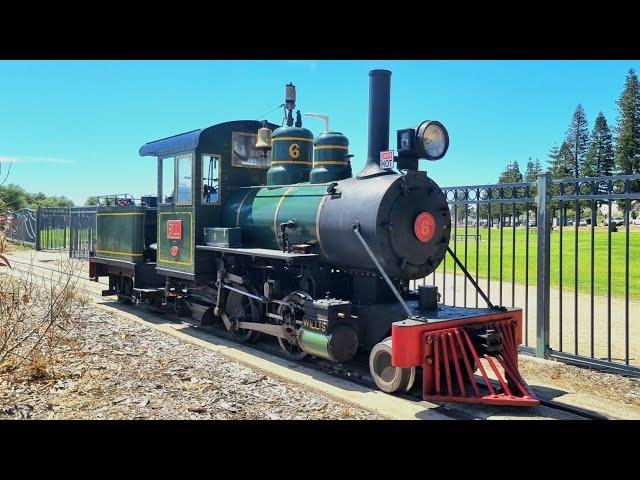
(379, 107)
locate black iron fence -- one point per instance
(565, 252)
(54, 229)
(82, 229)
(20, 226)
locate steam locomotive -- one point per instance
(264, 229)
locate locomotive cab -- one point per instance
(197, 173)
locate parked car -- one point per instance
(636, 220)
(583, 223)
(532, 223)
(617, 221)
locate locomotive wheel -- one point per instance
(181, 308)
(240, 308)
(388, 378)
(293, 350)
(124, 289)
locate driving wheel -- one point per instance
(292, 316)
(241, 308)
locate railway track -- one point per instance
(357, 372)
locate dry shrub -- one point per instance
(39, 315)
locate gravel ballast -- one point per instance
(114, 368)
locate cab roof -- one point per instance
(191, 140)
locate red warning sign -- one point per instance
(174, 229)
(386, 159)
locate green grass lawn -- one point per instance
(54, 238)
(567, 260)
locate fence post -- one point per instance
(544, 261)
(38, 220)
(66, 225)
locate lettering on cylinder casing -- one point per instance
(294, 150)
(291, 156)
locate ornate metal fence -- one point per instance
(20, 226)
(82, 229)
(52, 228)
(562, 250)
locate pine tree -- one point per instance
(599, 159)
(532, 171)
(627, 141)
(554, 156)
(560, 161)
(511, 174)
(577, 139)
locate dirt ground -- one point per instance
(614, 388)
(117, 368)
(114, 368)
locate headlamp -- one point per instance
(429, 140)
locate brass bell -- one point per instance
(263, 142)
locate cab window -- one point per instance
(168, 180)
(184, 179)
(210, 178)
(244, 151)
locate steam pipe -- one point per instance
(379, 109)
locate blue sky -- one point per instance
(74, 127)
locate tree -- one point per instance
(560, 161)
(60, 201)
(554, 159)
(533, 170)
(627, 141)
(35, 199)
(599, 159)
(91, 201)
(511, 174)
(577, 140)
(13, 197)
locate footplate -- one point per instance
(451, 352)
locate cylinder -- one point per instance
(340, 345)
(379, 110)
(291, 156)
(330, 158)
